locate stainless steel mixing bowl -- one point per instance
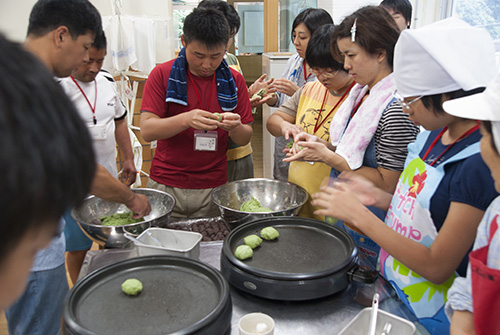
(88, 216)
(283, 198)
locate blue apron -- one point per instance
(409, 215)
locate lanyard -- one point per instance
(317, 126)
(198, 94)
(305, 72)
(464, 135)
(85, 96)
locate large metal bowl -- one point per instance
(88, 216)
(283, 198)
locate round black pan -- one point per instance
(180, 296)
(305, 249)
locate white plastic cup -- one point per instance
(256, 324)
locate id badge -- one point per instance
(98, 132)
(205, 140)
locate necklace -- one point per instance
(433, 144)
(317, 126)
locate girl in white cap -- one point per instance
(474, 301)
(445, 187)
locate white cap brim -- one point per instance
(483, 106)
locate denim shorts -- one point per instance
(76, 239)
(38, 311)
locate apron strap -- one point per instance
(493, 229)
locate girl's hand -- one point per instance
(338, 201)
(259, 84)
(284, 86)
(310, 151)
(290, 130)
(365, 190)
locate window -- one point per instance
(480, 13)
(181, 9)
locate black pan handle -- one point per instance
(362, 274)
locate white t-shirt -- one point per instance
(109, 108)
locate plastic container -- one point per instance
(361, 322)
(161, 241)
(256, 324)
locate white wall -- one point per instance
(14, 17)
(14, 13)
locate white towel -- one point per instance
(137, 149)
(145, 44)
(121, 49)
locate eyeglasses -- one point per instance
(402, 102)
(325, 74)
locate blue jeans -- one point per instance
(39, 310)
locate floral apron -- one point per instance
(485, 289)
(409, 215)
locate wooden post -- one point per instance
(271, 29)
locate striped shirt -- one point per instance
(394, 132)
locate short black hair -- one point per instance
(312, 18)
(46, 152)
(100, 41)
(207, 26)
(488, 126)
(402, 6)
(233, 19)
(435, 102)
(79, 16)
(318, 50)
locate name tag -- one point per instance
(98, 132)
(205, 140)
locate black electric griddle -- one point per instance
(180, 296)
(310, 259)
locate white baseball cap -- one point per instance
(442, 57)
(483, 106)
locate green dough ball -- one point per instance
(219, 116)
(331, 220)
(269, 233)
(253, 241)
(289, 145)
(243, 252)
(253, 206)
(132, 287)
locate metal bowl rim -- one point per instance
(218, 188)
(131, 224)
